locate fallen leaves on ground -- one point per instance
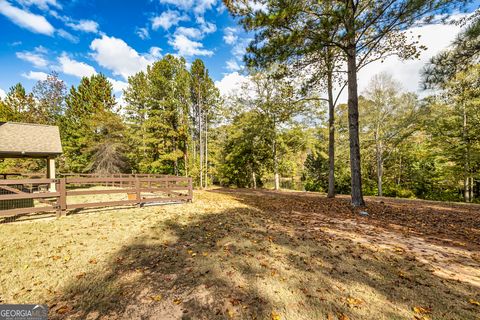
(421, 310)
(157, 297)
(63, 309)
(474, 302)
(354, 302)
(343, 316)
(275, 316)
(241, 254)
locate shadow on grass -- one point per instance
(451, 224)
(254, 263)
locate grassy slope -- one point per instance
(242, 254)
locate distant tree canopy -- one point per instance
(360, 31)
(169, 111)
(271, 132)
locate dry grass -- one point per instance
(242, 255)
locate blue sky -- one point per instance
(119, 38)
(78, 38)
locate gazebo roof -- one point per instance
(18, 140)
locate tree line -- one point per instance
(162, 128)
(332, 40)
(279, 129)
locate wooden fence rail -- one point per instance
(137, 189)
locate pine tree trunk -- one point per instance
(275, 163)
(466, 191)
(472, 182)
(254, 180)
(466, 167)
(175, 162)
(275, 167)
(399, 180)
(200, 145)
(185, 159)
(355, 164)
(206, 151)
(194, 149)
(331, 136)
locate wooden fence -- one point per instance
(53, 195)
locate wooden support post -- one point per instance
(62, 199)
(51, 173)
(137, 191)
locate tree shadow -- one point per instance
(255, 262)
(453, 224)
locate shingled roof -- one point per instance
(29, 140)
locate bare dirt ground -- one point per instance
(243, 254)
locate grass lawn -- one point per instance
(242, 254)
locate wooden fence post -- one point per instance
(62, 199)
(137, 192)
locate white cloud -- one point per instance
(26, 19)
(67, 35)
(120, 99)
(84, 25)
(196, 33)
(2, 94)
(204, 5)
(36, 57)
(187, 47)
(182, 4)
(41, 4)
(240, 47)
(168, 19)
(221, 8)
(193, 33)
(75, 68)
(41, 49)
(230, 83)
(207, 27)
(232, 65)
(197, 6)
(154, 53)
(230, 35)
(118, 85)
(116, 55)
(143, 33)
(34, 75)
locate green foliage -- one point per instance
(174, 123)
(290, 32)
(246, 150)
(206, 101)
(90, 121)
(168, 113)
(18, 105)
(316, 172)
